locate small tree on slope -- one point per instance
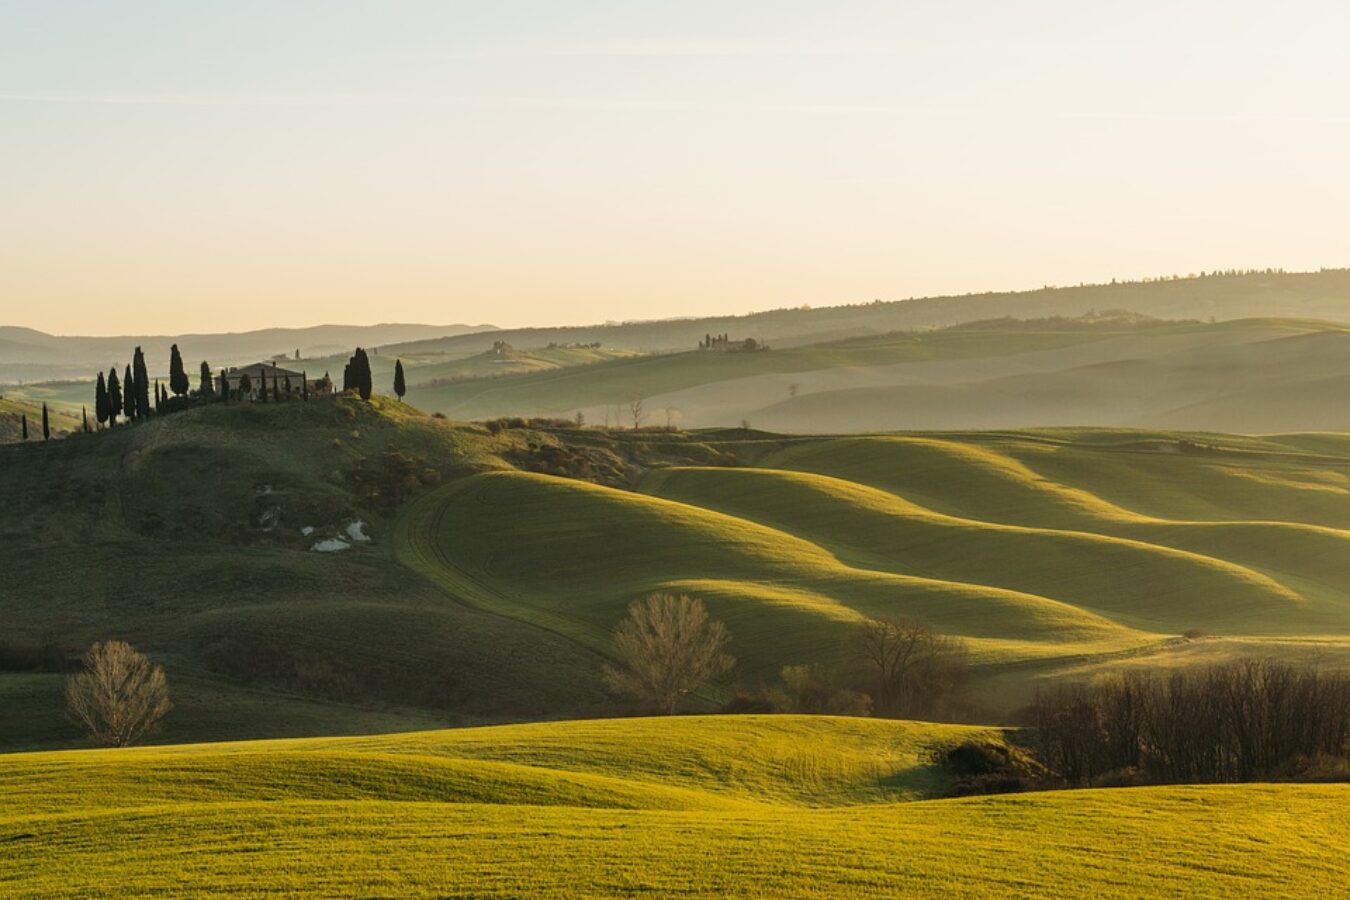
(668, 648)
(119, 696)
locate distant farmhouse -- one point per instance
(276, 379)
(726, 345)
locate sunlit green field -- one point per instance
(743, 806)
(1044, 549)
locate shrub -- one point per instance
(989, 767)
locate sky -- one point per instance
(172, 167)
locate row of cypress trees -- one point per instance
(132, 396)
(129, 397)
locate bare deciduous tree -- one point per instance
(669, 648)
(913, 669)
(635, 409)
(119, 696)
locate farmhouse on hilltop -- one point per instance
(276, 376)
(724, 343)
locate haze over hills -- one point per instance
(1257, 375)
(1315, 295)
(30, 355)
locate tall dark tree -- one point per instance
(46, 424)
(23, 425)
(159, 402)
(224, 387)
(84, 415)
(178, 380)
(245, 386)
(304, 386)
(101, 405)
(287, 388)
(130, 396)
(400, 386)
(142, 384)
(204, 386)
(114, 397)
(357, 376)
(262, 391)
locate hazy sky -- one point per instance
(174, 166)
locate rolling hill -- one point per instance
(475, 574)
(1257, 375)
(725, 806)
(14, 409)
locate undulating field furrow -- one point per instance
(596, 549)
(999, 480)
(1141, 584)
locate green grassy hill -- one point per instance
(726, 806)
(12, 411)
(469, 580)
(1003, 540)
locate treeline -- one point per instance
(1239, 721)
(132, 396)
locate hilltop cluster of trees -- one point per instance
(134, 397)
(131, 396)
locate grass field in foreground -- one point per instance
(742, 806)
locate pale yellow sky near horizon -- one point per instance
(215, 166)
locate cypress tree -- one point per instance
(276, 389)
(224, 387)
(178, 380)
(142, 384)
(359, 376)
(347, 377)
(101, 401)
(130, 395)
(262, 391)
(205, 389)
(84, 416)
(400, 386)
(245, 386)
(114, 398)
(46, 424)
(304, 386)
(23, 425)
(288, 386)
(159, 404)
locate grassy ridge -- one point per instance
(782, 596)
(723, 806)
